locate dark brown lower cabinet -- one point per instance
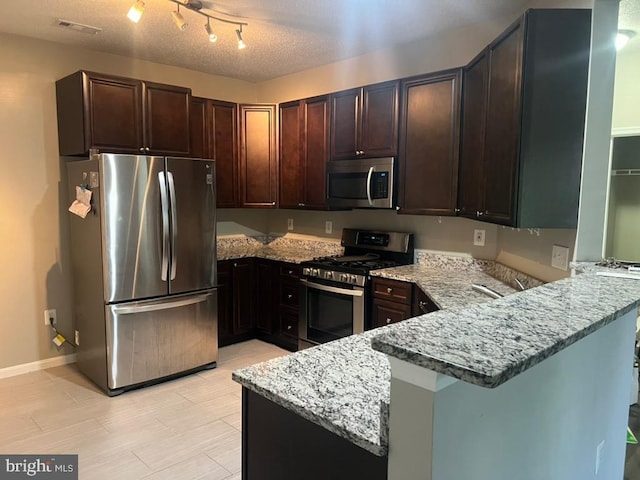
(236, 320)
(277, 444)
(394, 301)
(258, 298)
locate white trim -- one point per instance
(38, 365)
(419, 376)
(625, 131)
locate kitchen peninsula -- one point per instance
(567, 345)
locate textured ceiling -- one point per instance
(283, 36)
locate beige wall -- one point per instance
(626, 95)
(33, 255)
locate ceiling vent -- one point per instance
(78, 27)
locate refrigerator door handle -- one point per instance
(164, 201)
(174, 223)
(150, 307)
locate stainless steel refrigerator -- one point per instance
(144, 268)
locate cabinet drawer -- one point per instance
(392, 290)
(289, 323)
(386, 313)
(289, 294)
(288, 270)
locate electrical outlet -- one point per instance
(77, 338)
(328, 226)
(289, 223)
(478, 237)
(599, 452)
(48, 314)
(560, 257)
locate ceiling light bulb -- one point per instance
(241, 43)
(179, 20)
(623, 37)
(136, 11)
(212, 36)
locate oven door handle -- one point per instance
(369, 175)
(327, 288)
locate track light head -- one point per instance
(241, 43)
(212, 36)
(136, 11)
(178, 19)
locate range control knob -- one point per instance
(315, 272)
(328, 275)
(353, 279)
(344, 278)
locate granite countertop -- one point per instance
(490, 343)
(282, 249)
(448, 288)
(344, 385)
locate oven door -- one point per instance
(328, 311)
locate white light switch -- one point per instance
(289, 223)
(560, 257)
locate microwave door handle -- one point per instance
(165, 225)
(369, 175)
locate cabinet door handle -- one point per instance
(142, 149)
(301, 204)
(388, 321)
(273, 203)
(290, 272)
(389, 289)
(147, 148)
(456, 210)
(423, 306)
(479, 213)
(235, 264)
(289, 297)
(289, 327)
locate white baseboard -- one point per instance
(39, 365)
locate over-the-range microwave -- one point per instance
(360, 183)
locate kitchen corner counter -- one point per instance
(490, 343)
(281, 249)
(448, 288)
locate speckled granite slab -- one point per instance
(448, 288)
(490, 343)
(283, 249)
(342, 385)
(466, 263)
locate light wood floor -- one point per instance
(184, 429)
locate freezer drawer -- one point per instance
(149, 340)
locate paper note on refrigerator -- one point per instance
(81, 206)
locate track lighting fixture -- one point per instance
(137, 9)
(212, 36)
(179, 19)
(241, 43)
(623, 37)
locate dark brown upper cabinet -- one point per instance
(524, 104)
(429, 144)
(364, 122)
(223, 148)
(214, 135)
(304, 152)
(258, 163)
(121, 115)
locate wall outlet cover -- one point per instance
(50, 314)
(328, 226)
(478, 237)
(289, 223)
(560, 257)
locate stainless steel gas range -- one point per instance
(334, 299)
